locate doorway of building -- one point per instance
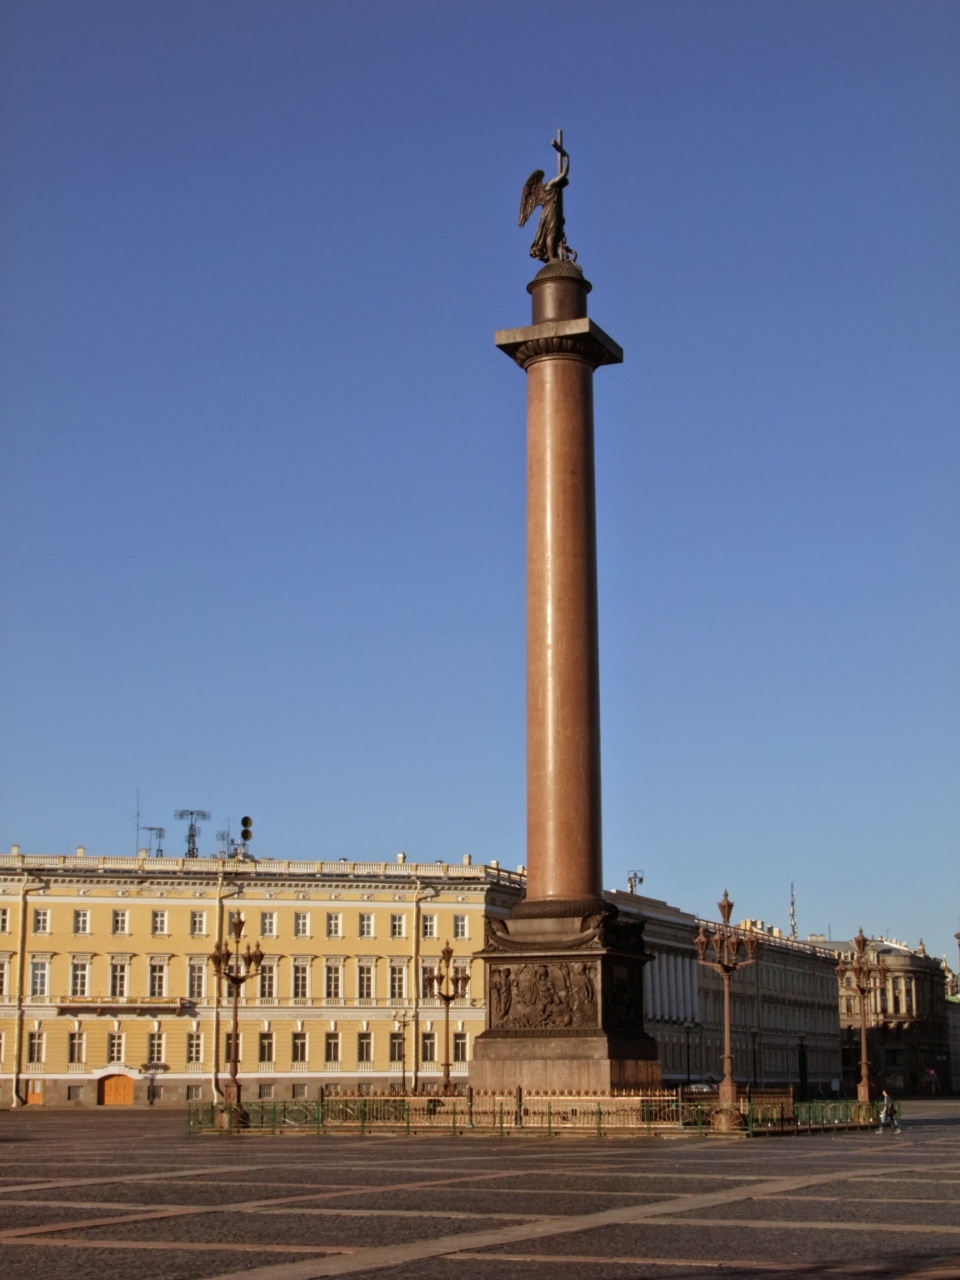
(34, 1093)
(116, 1091)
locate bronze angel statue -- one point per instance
(550, 244)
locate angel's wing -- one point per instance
(532, 195)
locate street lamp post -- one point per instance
(726, 943)
(687, 1028)
(237, 969)
(868, 974)
(456, 985)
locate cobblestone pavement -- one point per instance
(128, 1196)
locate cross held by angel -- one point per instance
(550, 242)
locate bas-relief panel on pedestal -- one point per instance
(542, 997)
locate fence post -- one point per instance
(599, 1121)
(454, 1119)
(470, 1106)
(320, 1103)
(549, 1119)
(699, 1120)
(501, 1117)
(519, 1119)
(679, 1106)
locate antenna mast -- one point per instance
(793, 913)
(159, 832)
(193, 816)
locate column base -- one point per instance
(564, 1003)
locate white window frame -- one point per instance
(76, 1048)
(119, 977)
(398, 981)
(300, 966)
(116, 1046)
(194, 1047)
(267, 978)
(461, 927)
(398, 924)
(428, 926)
(198, 918)
(301, 924)
(79, 979)
(196, 964)
(157, 975)
(295, 1044)
(268, 924)
(159, 924)
(41, 920)
(81, 922)
(4, 919)
(121, 923)
(366, 925)
(334, 924)
(39, 979)
(333, 980)
(36, 1048)
(155, 1039)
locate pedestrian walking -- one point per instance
(888, 1115)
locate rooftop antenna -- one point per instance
(228, 847)
(793, 913)
(193, 816)
(634, 878)
(159, 833)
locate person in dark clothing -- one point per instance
(888, 1116)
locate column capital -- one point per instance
(579, 339)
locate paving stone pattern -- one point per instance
(128, 1196)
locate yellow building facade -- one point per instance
(109, 994)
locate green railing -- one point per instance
(550, 1114)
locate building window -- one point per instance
(78, 979)
(331, 1048)
(3, 977)
(158, 923)
(118, 980)
(459, 1046)
(301, 924)
(4, 919)
(398, 982)
(265, 1092)
(81, 922)
(196, 973)
(429, 926)
(268, 983)
(332, 986)
(299, 1092)
(75, 1048)
(194, 1092)
(155, 1048)
(35, 1046)
(74, 1092)
(334, 924)
(365, 982)
(198, 924)
(38, 977)
(158, 980)
(268, 924)
(41, 921)
(428, 1047)
(366, 924)
(115, 1046)
(365, 1046)
(298, 1047)
(397, 929)
(460, 927)
(427, 985)
(120, 919)
(228, 1048)
(194, 1046)
(266, 1047)
(301, 981)
(461, 977)
(396, 1047)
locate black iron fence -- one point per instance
(638, 1114)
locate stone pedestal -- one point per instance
(565, 1006)
(563, 974)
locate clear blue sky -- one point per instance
(262, 504)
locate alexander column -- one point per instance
(564, 974)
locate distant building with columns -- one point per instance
(786, 1023)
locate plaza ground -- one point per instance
(104, 1196)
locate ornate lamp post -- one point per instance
(236, 969)
(868, 975)
(456, 988)
(726, 942)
